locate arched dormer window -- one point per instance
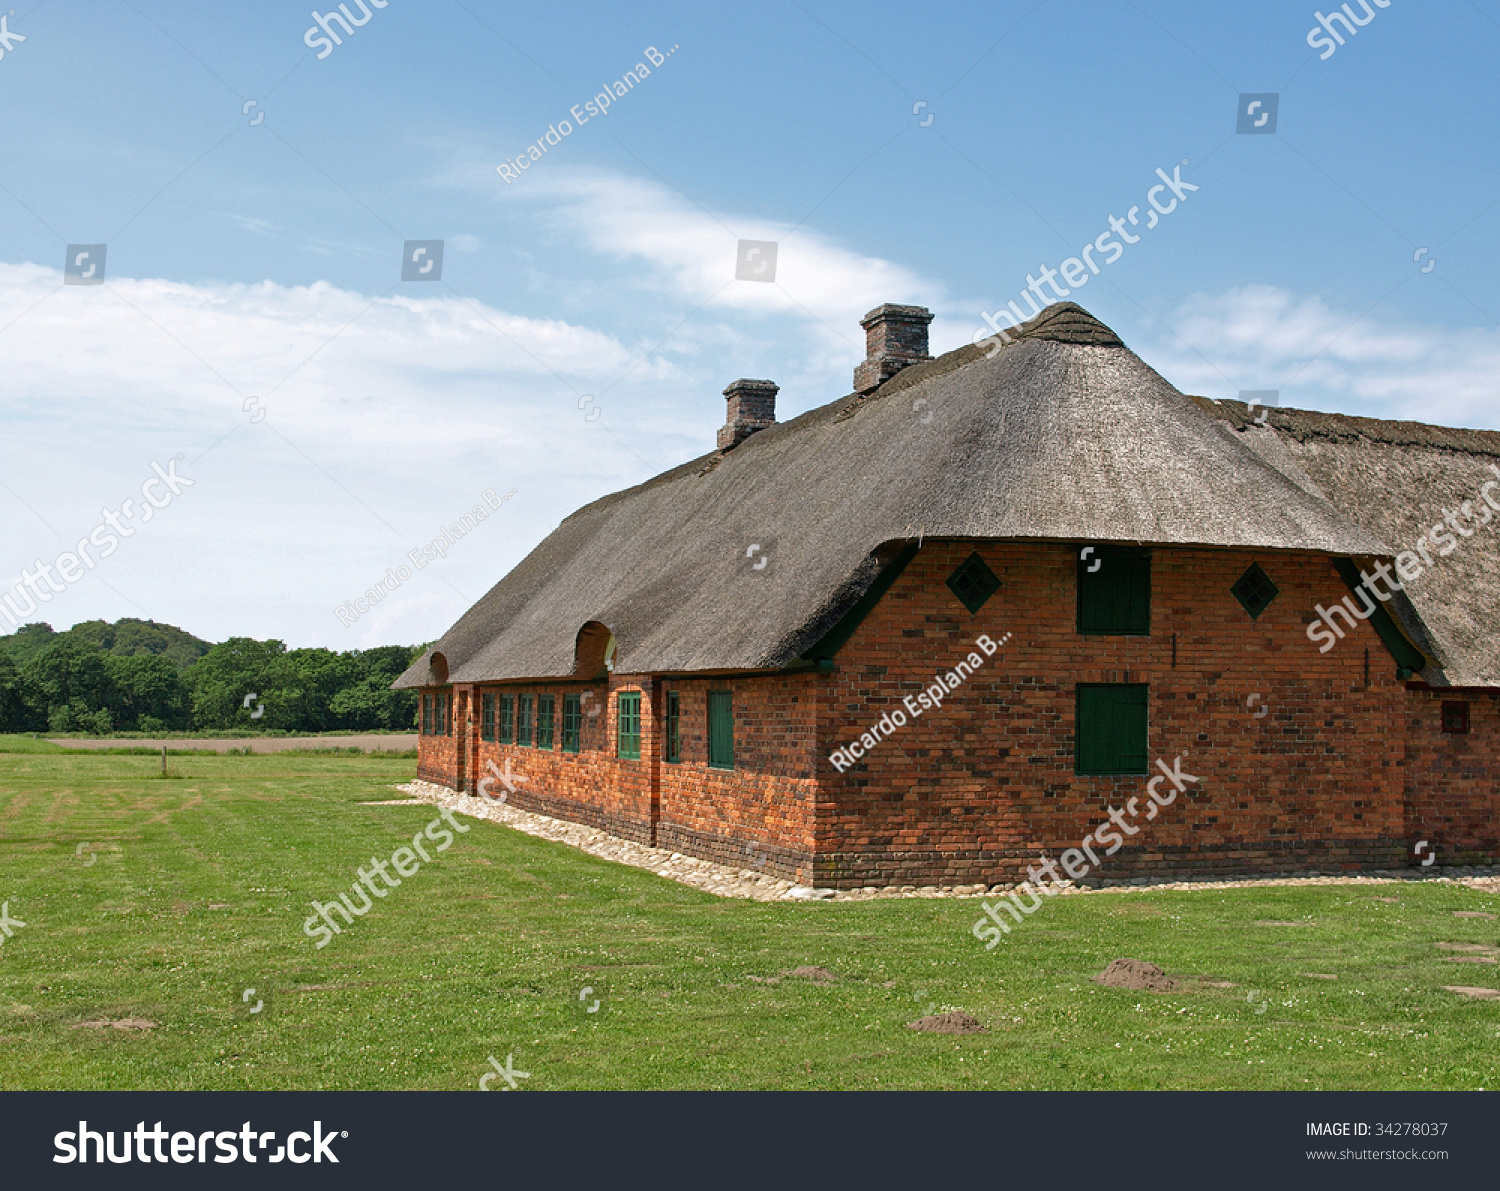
(594, 651)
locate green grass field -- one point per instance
(165, 900)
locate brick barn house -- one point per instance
(1165, 578)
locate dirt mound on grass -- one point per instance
(1479, 994)
(811, 972)
(955, 1021)
(1136, 974)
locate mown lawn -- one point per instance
(165, 900)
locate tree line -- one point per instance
(137, 675)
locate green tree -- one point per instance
(370, 703)
(221, 679)
(134, 638)
(73, 683)
(27, 641)
(150, 693)
(23, 708)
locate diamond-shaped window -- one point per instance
(973, 583)
(1255, 591)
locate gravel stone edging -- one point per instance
(700, 874)
(723, 881)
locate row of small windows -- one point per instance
(531, 721)
(1114, 589)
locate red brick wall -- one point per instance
(1453, 780)
(437, 756)
(985, 786)
(758, 815)
(592, 786)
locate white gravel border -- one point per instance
(745, 883)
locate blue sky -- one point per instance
(262, 260)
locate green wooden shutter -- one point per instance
(721, 729)
(1110, 732)
(572, 725)
(507, 719)
(487, 716)
(1114, 591)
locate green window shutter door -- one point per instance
(1111, 728)
(507, 719)
(721, 729)
(1129, 727)
(572, 723)
(1114, 597)
(1091, 749)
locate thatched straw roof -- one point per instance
(1064, 435)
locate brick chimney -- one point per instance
(895, 336)
(752, 407)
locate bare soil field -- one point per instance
(269, 744)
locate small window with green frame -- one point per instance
(628, 725)
(523, 720)
(721, 729)
(572, 724)
(507, 719)
(1110, 728)
(673, 751)
(544, 717)
(487, 716)
(1114, 591)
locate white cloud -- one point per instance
(1263, 337)
(689, 251)
(384, 419)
